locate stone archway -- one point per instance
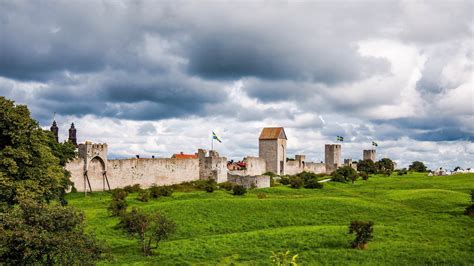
(95, 172)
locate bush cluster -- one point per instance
(238, 190)
(118, 205)
(402, 171)
(143, 195)
(210, 186)
(160, 191)
(226, 185)
(132, 189)
(303, 179)
(364, 175)
(313, 183)
(284, 180)
(262, 195)
(363, 231)
(344, 174)
(296, 182)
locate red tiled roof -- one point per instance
(184, 156)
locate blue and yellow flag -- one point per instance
(214, 136)
(340, 138)
(375, 144)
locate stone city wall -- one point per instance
(259, 181)
(143, 171)
(254, 166)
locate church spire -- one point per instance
(72, 135)
(54, 128)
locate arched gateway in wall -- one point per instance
(95, 165)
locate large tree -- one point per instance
(417, 166)
(367, 166)
(31, 161)
(385, 166)
(45, 234)
(34, 228)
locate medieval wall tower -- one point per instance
(332, 156)
(369, 155)
(272, 148)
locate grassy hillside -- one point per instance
(418, 220)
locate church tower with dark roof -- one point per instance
(72, 135)
(54, 128)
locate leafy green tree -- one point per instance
(367, 166)
(30, 159)
(344, 174)
(417, 166)
(35, 233)
(149, 229)
(363, 231)
(385, 166)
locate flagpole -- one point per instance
(212, 143)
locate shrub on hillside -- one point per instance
(344, 174)
(363, 231)
(313, 183)
(296, 182)
(132, 189)
(239, 190)
(364, 175)
(119, 194)
(143, 195)
(162, 191)
(386, 172)
(226, 185)
(117, 207)
(210, 186)
(306, 176)
(284, 180)
(262, 195)
(149, 229)
(402, 171)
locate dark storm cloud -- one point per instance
(444, 134)
(145, 60)
(222, 55)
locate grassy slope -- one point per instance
(418, 220)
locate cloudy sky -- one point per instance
(155, 77)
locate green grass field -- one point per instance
(418, 220)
